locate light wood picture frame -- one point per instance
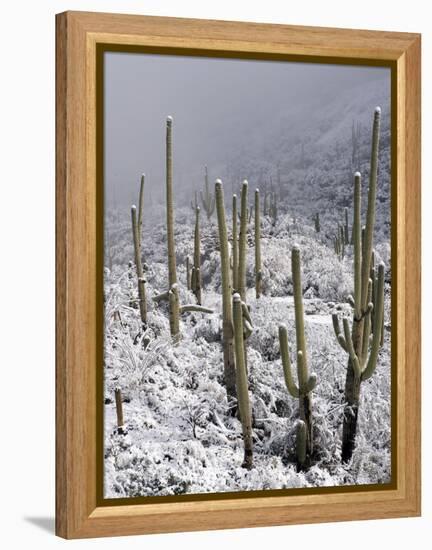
(81, 39)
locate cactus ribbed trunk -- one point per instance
(241, 282)
(119, 409)
(235, 245)
(188, 273)
(227, 321)
(139, 268)
(242, 382)
(174, 312)
(196, 269)
(258, 272)
(346, 230)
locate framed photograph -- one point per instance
(238, 274)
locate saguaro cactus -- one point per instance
(241, 276)
(172, 271)
(242, 382)
(258, 272)
(194, 203)
(207, 198)
(235, 244)
(141, 207)
(172, 294)
(196, 268)
(317, 224)
(356, 341)
(306, 382)
(273, 209)
(139, 268)
(119, 411)
(188, 273)
(227, 320)
(346, 230)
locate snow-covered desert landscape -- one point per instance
(172, 424)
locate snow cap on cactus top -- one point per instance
(133, 207)
(245, 182)
(257, 190)
(169, 119)
(377, 110)
(296, 247)
(357, 174)
(236, 297)
(218, 182)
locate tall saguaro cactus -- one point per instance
(355, 341)
(141, 207)
(235, 244)
(172, 294)
(241, 275)
(207, 198)
(258, 272)
(139, 268)
(196, 268)
(227, 319)
(172, 271)
(306, 382)
(242, 382)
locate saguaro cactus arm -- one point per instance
(195, 307)
(309, 381)
(370, 215)
(139, 269)
(357, 231)
(338, 332)
(350, 348)
(376, 338)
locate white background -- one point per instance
(27, 269)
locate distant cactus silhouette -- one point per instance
(207, 198)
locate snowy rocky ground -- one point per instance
(180, 437)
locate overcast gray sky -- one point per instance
(218, 106)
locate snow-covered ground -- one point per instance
(180, 437)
